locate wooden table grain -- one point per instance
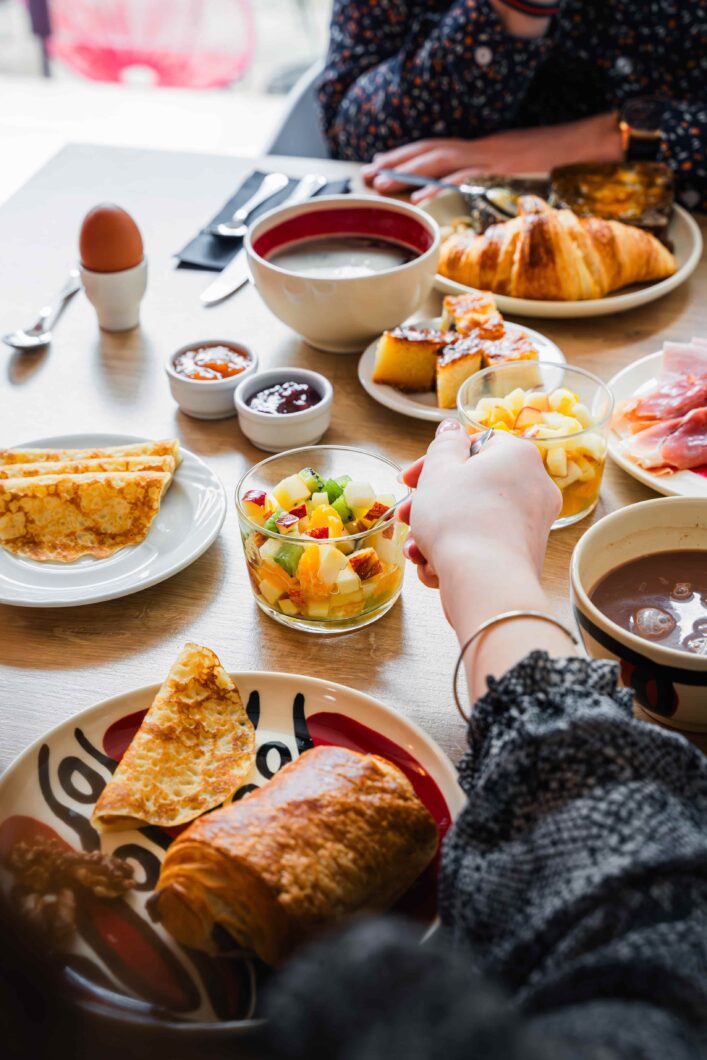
(56, 662)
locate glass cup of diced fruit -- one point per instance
(321, 552)
(564, 411)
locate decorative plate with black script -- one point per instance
(118, 956)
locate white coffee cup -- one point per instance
(116, 296)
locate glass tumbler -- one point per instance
(306, 582)
(564, 411)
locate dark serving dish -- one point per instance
(636, 193)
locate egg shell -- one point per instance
(110, 241)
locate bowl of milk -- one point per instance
(341, 269)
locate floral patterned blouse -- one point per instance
(403, 70)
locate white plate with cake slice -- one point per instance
(422, 404)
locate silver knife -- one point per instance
(236, 273)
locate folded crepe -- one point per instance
(169, 447)
(62, 517)
(333, 833)
(195, 748)
(82, 467)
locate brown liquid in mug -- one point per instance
(661, 597)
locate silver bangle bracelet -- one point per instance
(505, 616)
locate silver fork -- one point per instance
(237, 226)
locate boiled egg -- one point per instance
(110, 241)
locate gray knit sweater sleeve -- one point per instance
(577, 872)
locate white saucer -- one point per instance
(683, 232)
(642, 376)
(423, 406)
(188, 522)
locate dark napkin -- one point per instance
(213, 252)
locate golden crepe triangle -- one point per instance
(194, 748)
(57, 505)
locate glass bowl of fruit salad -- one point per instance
(565, 412)
(321, 554)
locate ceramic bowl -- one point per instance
(208, 399)
(275, 433)
(670, 685)
(343, 314)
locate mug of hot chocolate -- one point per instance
(639, 592)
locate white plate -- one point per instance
(188, 522)
(56, 782)
(642, 377)
(683, 232)
(423, 406)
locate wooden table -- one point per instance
(58, 661)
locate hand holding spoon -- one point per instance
(40, 334)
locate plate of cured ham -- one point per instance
(659, 430)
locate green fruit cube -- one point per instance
(288, 556)
(341, 507)
(333, 489)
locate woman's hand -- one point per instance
(499, 504)
(479, 529)
(594, 139)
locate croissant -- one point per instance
(552, 254)
(333, 832)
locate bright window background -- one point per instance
(290, 34)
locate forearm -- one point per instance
(371, 90)
(477, 586)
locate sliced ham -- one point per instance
(684, 358)
(676, 444)
(675, 397)
(682, 387)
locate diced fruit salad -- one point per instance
(332, 578)
(550, 419)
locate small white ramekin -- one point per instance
(208, 399)
(275, 433)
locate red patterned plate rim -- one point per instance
(334, 705)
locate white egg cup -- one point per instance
(116, 296)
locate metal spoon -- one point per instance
(237, 226)
(40, 334)
(478, 442)
(498, 198)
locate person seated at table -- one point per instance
(573, 886)
(446, 88)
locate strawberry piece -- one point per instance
(300, 511)
(318, 531)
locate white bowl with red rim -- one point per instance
(341, 314)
